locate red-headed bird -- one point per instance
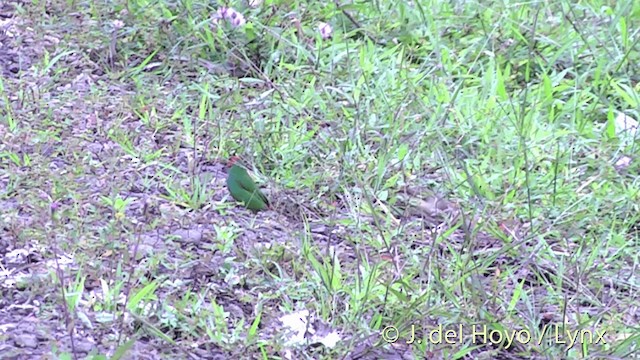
(242, 187)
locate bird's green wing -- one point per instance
(251, 200)
(245, 181)
(242, 188)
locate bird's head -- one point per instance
(232, 160)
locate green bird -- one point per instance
(243, 189)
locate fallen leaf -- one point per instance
(626, 124)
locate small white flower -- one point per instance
(229, 14)
(623, 163)
(117, 24)
(325, 30)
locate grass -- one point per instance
(433, 166)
